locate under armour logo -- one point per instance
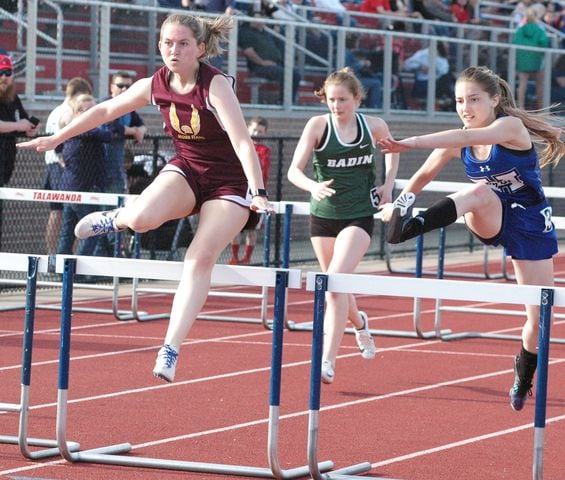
(484, 168)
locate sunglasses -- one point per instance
(6, 73)
(123, 85)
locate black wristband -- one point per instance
(260, 192)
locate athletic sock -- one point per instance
(527, 365)
(440, 214)
(235, 251)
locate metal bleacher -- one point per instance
(58, 39)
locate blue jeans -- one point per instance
(374, 92)
(72, 213)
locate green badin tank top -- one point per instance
(352, 166)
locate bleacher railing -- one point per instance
(107, 51)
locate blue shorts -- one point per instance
(52, 180)
(527, 233)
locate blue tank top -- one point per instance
(513, 173)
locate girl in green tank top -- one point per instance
(344, 199)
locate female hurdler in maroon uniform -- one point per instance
(215, 172)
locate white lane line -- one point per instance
(327, 408)
(461, 443)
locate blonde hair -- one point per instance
(211, 32)
(78, 100)
(538, 122)
(344, 77)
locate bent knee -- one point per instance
(142, 222)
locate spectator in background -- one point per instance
(529, 64)
(53, 161)
(362, 67)
(129, 125)
(211, 6)
(435, 10)
(316, 41)
(257, 128)
(83, 158)
(14, 121)
(386, 7)
(462, 11)
(419, 63)
(264, 54)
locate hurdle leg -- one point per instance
(541, 384)
(275, 387)
(64, 360)
(315, 386)
(22, 440)
(110, 455)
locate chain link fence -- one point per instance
(24, 223)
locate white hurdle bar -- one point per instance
(262, 296)
(165, 270)
(303, 208)
(33, 265)
(434, 289)
(62, 196)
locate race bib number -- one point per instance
(375, 199)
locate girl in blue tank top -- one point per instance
(505, 205)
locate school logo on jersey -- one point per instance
(185, 132)
(350, 162)
(507, 182)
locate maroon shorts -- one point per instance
(206, 188)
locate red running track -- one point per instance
(422, 410)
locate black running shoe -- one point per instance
(401, 214)
(520, 390)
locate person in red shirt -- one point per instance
(257, 128)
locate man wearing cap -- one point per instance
(14, 121)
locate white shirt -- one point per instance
(52, 126)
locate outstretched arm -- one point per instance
(508, 131)
(135, 97)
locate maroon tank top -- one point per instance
(200, 140)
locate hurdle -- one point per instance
(263, 296)
(62, 196)
(303, 208)
(432, 288)
(440, 307)
(158, 270)
(33, 265)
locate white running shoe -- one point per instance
(364, 338)
(165, 364)
(401, 215)
(97, 223)
(327, 371)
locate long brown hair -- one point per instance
(540, 123)
(212, 32)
